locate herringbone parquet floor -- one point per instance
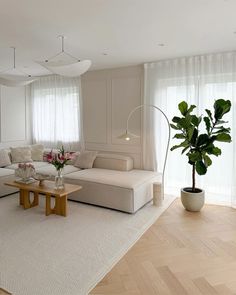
(182, 253)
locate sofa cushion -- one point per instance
(85, 159)
(51, 170)
(113, 162)
(21, 154)
(6, 172)
(7, 175)
(4, 158)
(126, 179)
(37, 152)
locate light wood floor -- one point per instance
(182, 253)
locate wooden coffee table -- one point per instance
(47, 189)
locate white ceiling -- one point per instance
(129, 31)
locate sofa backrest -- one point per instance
(113, 162)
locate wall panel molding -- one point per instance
(105, 117)
(13, 114)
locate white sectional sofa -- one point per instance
(111, 183)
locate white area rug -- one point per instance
(55, 255)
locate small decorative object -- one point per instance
(199, 147)
(41, 178)
(59, 160)
(25, 171)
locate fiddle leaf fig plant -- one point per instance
(200, 147)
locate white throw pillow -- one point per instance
(73, 159)
(37, 152)
(85, 159)
(4, 158)
(21, 154)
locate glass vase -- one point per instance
(59, 180)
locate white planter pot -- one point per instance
(192, 201)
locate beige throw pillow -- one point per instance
(4, 158)
(21, 154)
(85, 159)
(37, 152)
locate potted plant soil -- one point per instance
(200, 147)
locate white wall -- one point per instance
(14, 116)
(108, 97)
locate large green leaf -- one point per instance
(195, 120)
(191, 108)
(174, 127)
(221, 122)
(190, 132)
(194, 136)
(209, 114)
(207, 123)
(221, 107)
(224, 137)
(179, 136)
(176, 119)
(183, 107)
(213, 150)
(216, 151)
(207, 160)
(201, 168)
(195, 156)
(183, 144)
(222, 129)
(185, 122)
(203, 139)
(185, 149)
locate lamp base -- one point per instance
(158, 195)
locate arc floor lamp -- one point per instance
(128, 135)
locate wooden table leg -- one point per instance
(57, 205)
(48, 205)
(36, 200)
(61, 205)
(26, 199)
(21, 200)
(64, 206)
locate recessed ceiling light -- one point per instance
(161, 44)
(104, 53)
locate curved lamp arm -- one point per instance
(168, 123)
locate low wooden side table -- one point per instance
(47, 189)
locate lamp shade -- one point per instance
(74, 69)
(127, 136)
(15, 80)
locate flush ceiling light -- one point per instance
(13, 77)
(69, 68)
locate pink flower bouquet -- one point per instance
(59, 159)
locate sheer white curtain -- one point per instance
(199, 80)
(56, 112)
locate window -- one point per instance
(199, 80)
(56, 112)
